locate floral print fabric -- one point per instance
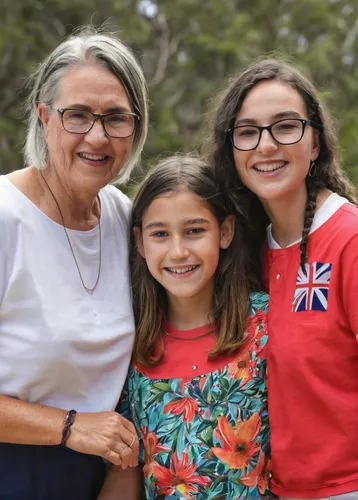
(206, 437)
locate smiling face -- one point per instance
(86, 161)
(181, 240)
(274, 171)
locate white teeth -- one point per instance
(92, 157)
(269, 167)
(180, 270)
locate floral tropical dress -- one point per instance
(203, 426)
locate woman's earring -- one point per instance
(312, 170)
(240, 186)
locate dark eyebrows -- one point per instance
(187, 222)
(121, 109)
(154, 225)
(278, 116)
(287, 114)
(190, 222)
(245, 121)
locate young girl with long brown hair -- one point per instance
(196, 389)
(275, 154)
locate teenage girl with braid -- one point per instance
(275, 151)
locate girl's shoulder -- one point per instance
(258, 303)
(348, 220)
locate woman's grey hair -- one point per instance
(86, 46)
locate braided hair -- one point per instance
(310, 210)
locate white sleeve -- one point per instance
(6, 253)
(2, 264)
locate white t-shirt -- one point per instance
(59, 345)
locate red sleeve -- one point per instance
(349, 282)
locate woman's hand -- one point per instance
(106, 434)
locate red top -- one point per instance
(313, 362)
(188, 358)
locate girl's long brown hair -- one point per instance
(234, 278)
(328, 173)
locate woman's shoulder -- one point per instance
(336, 217)
(117, 202)
(114, 194)
(339, 232)
(10, 222)
(349, 217)
(9, 202)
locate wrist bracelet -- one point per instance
(69, 419)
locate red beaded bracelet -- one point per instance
(69, 419)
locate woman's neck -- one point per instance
(186, 313)
(287, 215)
(80, 211)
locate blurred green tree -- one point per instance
(188, 50)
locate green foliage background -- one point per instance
(188, 50)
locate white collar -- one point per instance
(325, 211)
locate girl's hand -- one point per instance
(105, 434)
(122, 484)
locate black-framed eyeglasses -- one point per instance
(115, 125)
(285, 132)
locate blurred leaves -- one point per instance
(188, 50)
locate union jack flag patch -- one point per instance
(312, 289)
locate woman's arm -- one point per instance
(122, 484)
(106, 434)
(27, 423)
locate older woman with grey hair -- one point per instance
(66, 325)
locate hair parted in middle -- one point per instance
(234, 279)
(219, 150)
(86, 46)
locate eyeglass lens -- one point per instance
(247, 137)
(115, 125)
